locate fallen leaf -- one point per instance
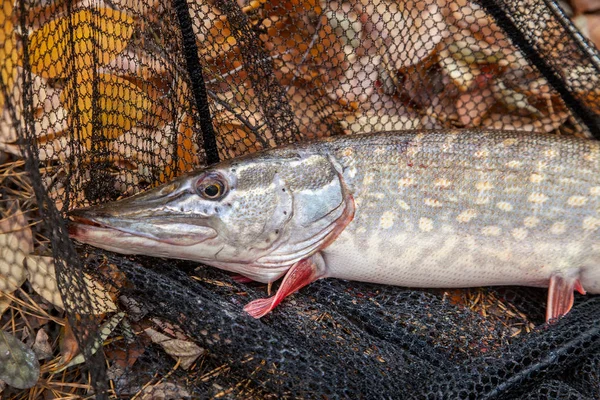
(42, 277)
(104, 332)
(4, 304)
(589, 25)
(473, 106)
(9, 54)
(69, 347)
(96, 37)
(164, 391)
(408, 31)
(16, 241)
(186, 351)
(41, 347)
(186, 151)
(19, 366)
(509, 122)
(373, 123)
(585, 6)
(120, 104)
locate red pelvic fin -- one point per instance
(560, 295)
(241, 278)
(299, 275)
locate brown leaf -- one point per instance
(589, 25)
(4, 304)
(125, 359)
(16, 241)
(9, 55)
(528, 124)
(69, 347)
(186, 351)
(408, 31)
(585, 6)
(42, 276)
(473, 106)
(164, 391)
(186, 151)
(121, 105)
(93, 346)
(41, 347)
(103, 31)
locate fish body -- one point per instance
(441, 209)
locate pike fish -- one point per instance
(445, 209)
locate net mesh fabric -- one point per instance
(101, 100)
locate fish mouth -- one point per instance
(86, 227)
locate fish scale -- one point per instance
(441, 209)
(498, 209)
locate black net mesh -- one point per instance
(103, 99)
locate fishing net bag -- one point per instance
(102, 99)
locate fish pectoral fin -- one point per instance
(299, 275)
(241, 278)
(560, 295)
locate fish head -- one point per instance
(256, 216)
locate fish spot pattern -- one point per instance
(405, 182)
(558, 228)
(537, 198)
(577, 201)
(491, 230)
(519, 233)
(443, 183)
(432, 202)
(536, 178)
(403, 205)
(531, 222)
(591, 223)
(387, 220)
(484, 185)
(504, 206)
(425, 224)
(466, 215)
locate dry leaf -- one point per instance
(164, 391)
(372, 123)
(589, 25)
(104, 332)
(186, 151)
(527, 124)
(4, 304)
(41, 347)
(186, 351)
(121, 105)
(69, 347)
(42, 277)
(98, 36)
(19, 366)
(408, 31)
(16, 242)
(9, 54)
(473, 106)
(585, 6)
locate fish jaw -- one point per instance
(110, 239)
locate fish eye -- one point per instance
(211, 187)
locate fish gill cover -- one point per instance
(102, 99)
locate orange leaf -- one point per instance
(8, 49)
(186, 151)
(121, 105)
(68, 343)
(104, 31)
